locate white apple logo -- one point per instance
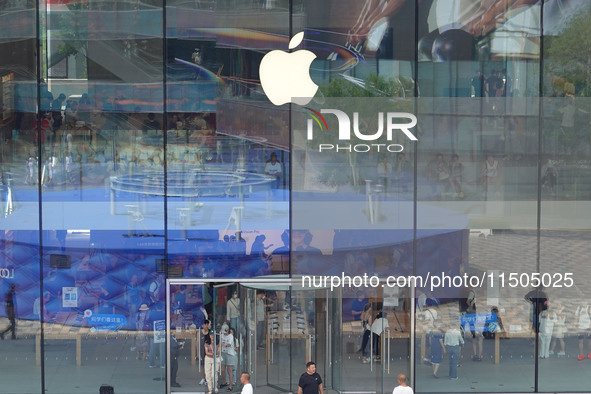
(285, 77)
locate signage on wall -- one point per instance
(7, 273)
(285, 78)
(104, 322)
(60, 261)
(70, 297)
(160, 331)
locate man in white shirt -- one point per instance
(274, 169)
(403, 387)
(245, 380)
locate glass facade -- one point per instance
(152, 178)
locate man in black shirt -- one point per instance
(310, 381)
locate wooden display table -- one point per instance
(295, 327)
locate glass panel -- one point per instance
(226, 146)
(102, 196)
(352, 176)
(563, 321)
(20, 290)
(477, 192)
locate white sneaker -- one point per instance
(551, 352)
(203, 382)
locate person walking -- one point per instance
(453, 341)
(310, 381)
(402, 387)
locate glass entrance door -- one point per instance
(229, 330)
(373, 347)
(273, 327)
(188, 309)
(286, 327)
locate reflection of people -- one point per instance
(474, 19)
(273, 168)
(196, 56)
(549, 176)
(546, 328)
(310, 381)
(437, 349)
(10, 306)
(151, 124)
(477, 83)
(438, 172)
(491, 174)
(559, 329)
(453, 340)
(456, 169)
(156, 288)
(584, 326)
(539, 300)
(384, 170)
(142, 326)
(133, 298)
(402, 387)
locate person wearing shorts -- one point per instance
(229, 358)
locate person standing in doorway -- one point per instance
(260, 316)
(310, 381)
(402, 387)
(234, 310)
(204, 333)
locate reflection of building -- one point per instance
(153, 185)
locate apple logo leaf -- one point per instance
(296, 40)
